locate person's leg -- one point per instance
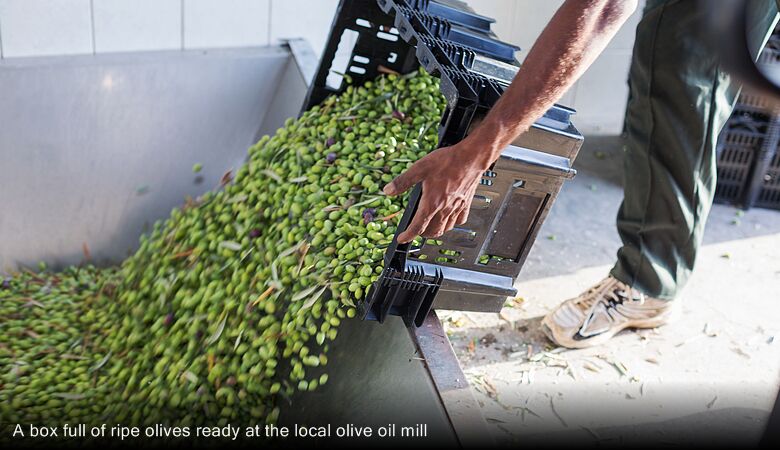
(762, 17)
(680, 100)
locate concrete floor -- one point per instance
(710, 377)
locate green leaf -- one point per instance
(271, 174)
(100, 363)
(215, 337)
(230, 245)
(310, 302)
(304, 293)
(69, 396)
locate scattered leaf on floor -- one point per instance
(708, 331)
(592, 367)
(591, 432)
(740, 352)
(690, 339)
(618, 365)
(552, 407)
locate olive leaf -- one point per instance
(230, 245)
(100, 363)
(69, 396)
(271, 174)
(215, 337)
(366, 202)
(310, 302)
(304, 293)
(191, 377)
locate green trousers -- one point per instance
(679, 101)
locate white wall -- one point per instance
(66, 27)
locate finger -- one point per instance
(419, 223)
(463, 217)
(452, 221)
(437, 226)
(406, 180)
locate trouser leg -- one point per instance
(679, 101)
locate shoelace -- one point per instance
(593, 296)
(612, 294)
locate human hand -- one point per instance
(449, 179)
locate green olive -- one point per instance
(228, 305)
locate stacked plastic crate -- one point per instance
(472, 267)
(748, 156)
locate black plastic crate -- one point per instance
(747, 147)
(378, 48)
(769, 194)
(747, 156)
(413, 23)
(752, 102)
(466, 60)
(454, 11)
(474, 266)
(739, 143)
(735, 160)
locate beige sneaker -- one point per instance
(603, 311)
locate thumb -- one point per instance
(406, 180)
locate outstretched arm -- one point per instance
(578, 32)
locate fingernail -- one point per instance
(389, 188)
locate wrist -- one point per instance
(483, 146)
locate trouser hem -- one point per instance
(622, 275)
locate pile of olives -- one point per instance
(229, 305)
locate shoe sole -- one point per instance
(568, 342)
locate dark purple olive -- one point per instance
(399, 115)
(6, 284)
(169, 319)
(369, 214)
(254, 233)
(330, 142)
(330, 158)
(231, 381)
(348, 129)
